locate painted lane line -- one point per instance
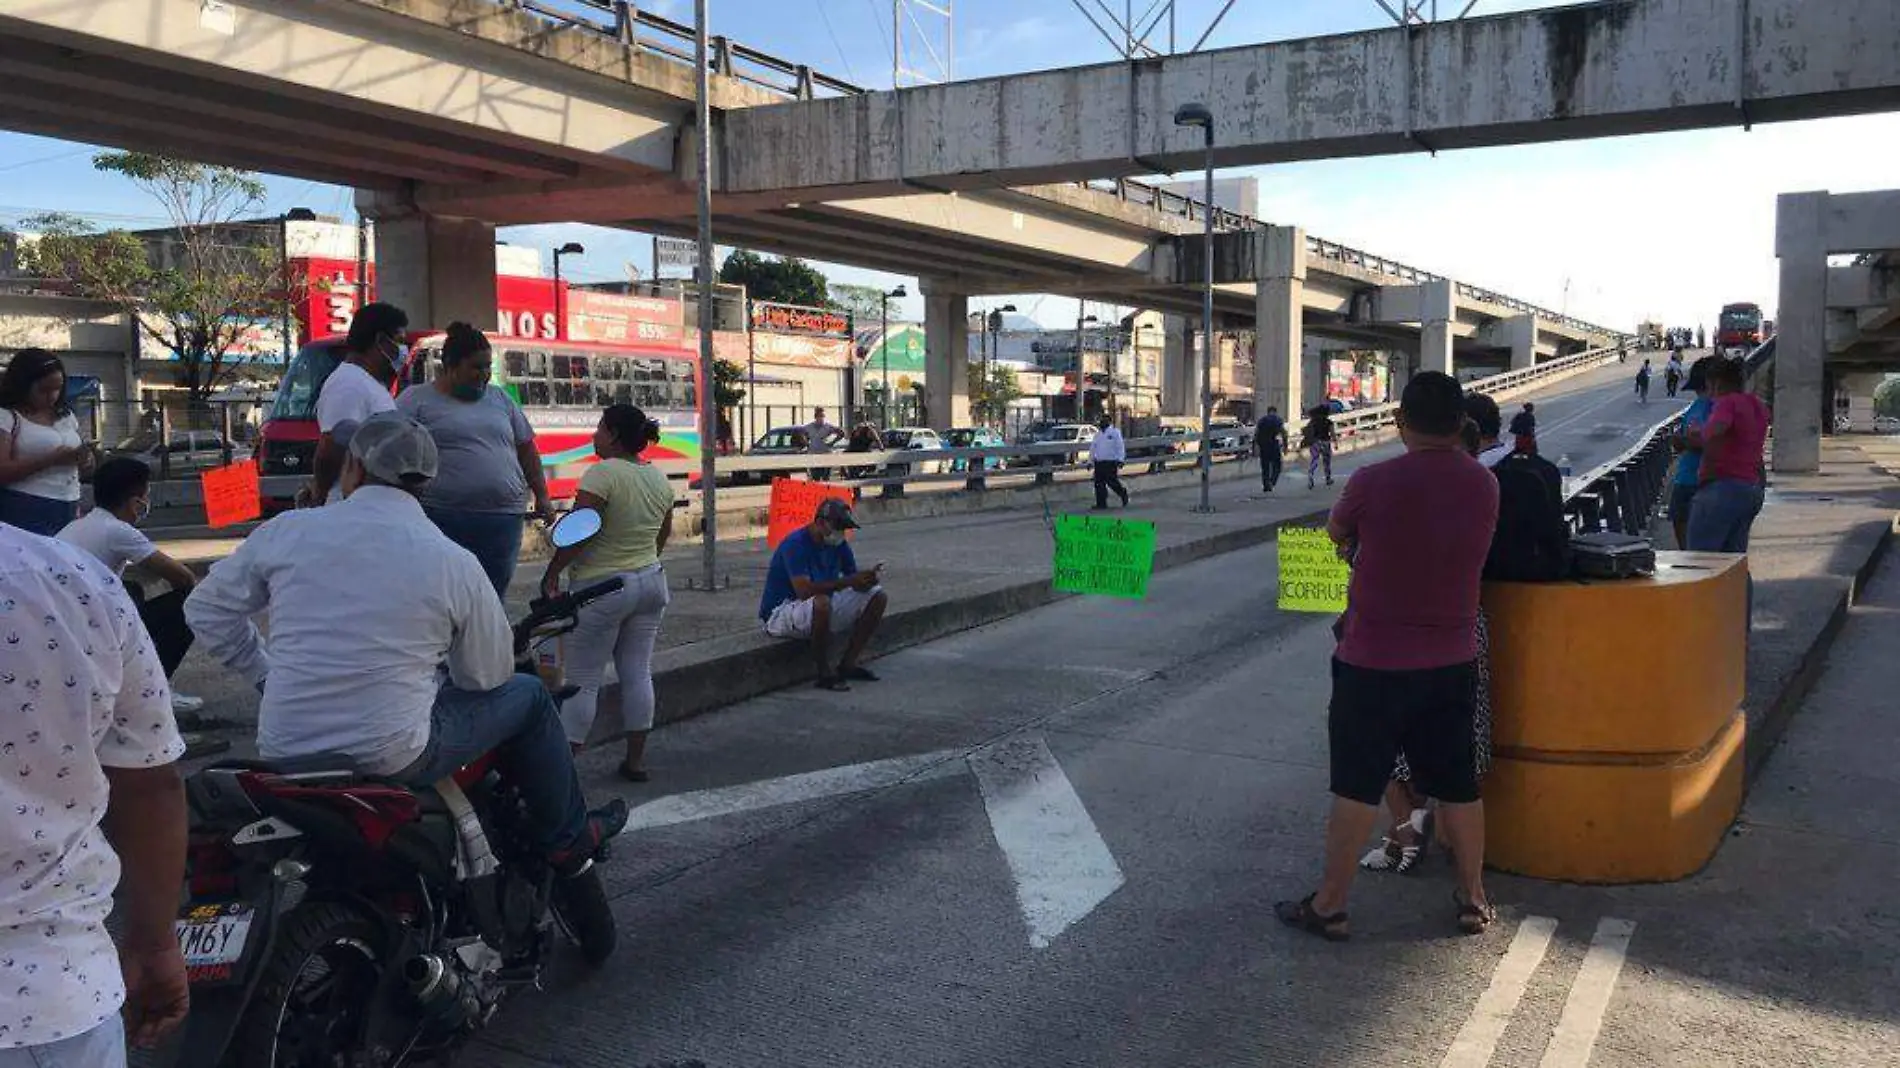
(809, 786)
(1478, 1038)
(1577, 1029)
(1062, 867)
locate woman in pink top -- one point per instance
(1730, 495)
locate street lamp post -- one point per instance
(1081, 362)
(1199, 115)
(708, 400)
(572, 248)
(884, 346)
(992, 333)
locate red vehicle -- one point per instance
(1739, 326)
(560, 385)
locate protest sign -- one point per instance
(231, 494)
(1111, 557)
(1312, 576)
(794, 502)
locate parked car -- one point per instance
(1886, 424)
(975, 437)
(778, 441)
(189, 452)
(1080, 433)
(1229, 436)
(914, 439)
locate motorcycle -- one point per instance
(348, 921)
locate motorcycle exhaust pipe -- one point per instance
(439, 991)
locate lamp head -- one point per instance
(572, 248)
(1195, 114)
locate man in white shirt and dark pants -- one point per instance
(93, 801)
(1108, 452)
(367, 599)
(362, 385)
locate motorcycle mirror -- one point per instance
(574, 528)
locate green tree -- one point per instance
(783, 281)
(202, 290)
(1887, 398)
(865, 304)
(989, 400)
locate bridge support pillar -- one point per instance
(1521, 333)
(946, 359)
(1800, 330)
(438, 269)
(1180, 373)
(1858, 389)
(1279, 318)
(1438, 309)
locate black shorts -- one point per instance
(1427, 714)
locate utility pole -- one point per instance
(708, 395)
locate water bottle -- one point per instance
(1563, 466)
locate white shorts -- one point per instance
(793, 618)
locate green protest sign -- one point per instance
(1312, 576)
(1096, 554)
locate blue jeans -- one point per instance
(34, 513)
(1723, 512)
(518, 722)
(101, 1047)
(494, 538)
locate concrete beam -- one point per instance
(946, 358)
(439, 270)
(1591, 70)
(1862, 286)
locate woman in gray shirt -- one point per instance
(488, 463)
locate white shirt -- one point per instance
(349, 393)
(112, 540)
(1491, 456)
(819, 435)
(1108, 445)
(31, 440)
(80, 690)
(366, 598)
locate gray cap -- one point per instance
(390, 445)
(837, 514)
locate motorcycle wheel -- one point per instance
(580, 906)
(315, 994)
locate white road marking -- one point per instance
(809, 786)
(1478, 1038)
(1577, 1029)
(1062, 867)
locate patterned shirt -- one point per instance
(81, 690)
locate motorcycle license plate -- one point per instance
(212, 938)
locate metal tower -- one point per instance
(1138, 36)
(923, 42)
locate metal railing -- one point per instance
(644, 31)
(1380, 416)
(1622, 494)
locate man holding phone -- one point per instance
(813, 590)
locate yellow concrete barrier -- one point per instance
(1617, 730)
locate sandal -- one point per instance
(1300, 914)
(1473, 919)
(1392, 854)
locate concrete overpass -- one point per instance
(1837, 327)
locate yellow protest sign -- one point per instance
(1312, 576)
(1111, 557)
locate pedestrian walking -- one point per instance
(635, 502)
(42, 454)
(1317, 439)
(1524, 429)
(1672, 373)
(1686, 476)
(1270, 440)
(122, 498)
(1417, 529)
(1642, 382)
(1729, 495)
(1107, 453)
(488, 466)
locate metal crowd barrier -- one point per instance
(1622, 495)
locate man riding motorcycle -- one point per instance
(366, 600)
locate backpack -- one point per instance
(1532, 540)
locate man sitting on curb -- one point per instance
(813, 590)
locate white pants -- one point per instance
(101, 1047)
(793, 618)
(622, 626)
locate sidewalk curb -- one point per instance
(1779, 710)
(753, 664)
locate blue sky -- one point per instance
(1668, 226)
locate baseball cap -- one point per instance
(390, 445)
(837, 514)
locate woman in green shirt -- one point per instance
(635, 502)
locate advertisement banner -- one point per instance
(617, 319)
(794, 319)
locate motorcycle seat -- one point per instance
(340, 765)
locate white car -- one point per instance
(1886, 424)
(918, 439)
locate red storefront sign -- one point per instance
(793, 319)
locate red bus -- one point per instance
(1739, 326)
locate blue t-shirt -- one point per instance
(1689, 464)
(799, 554)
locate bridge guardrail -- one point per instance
(648, 32)
(1621, 494)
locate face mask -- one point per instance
(834, 538)
(397, 355)
(469, 393)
